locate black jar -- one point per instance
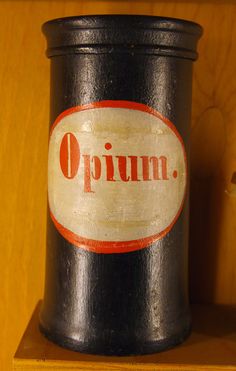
(117, 240)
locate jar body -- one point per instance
(133, 302)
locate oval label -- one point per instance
(117, 176)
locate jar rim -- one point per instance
(73, 34)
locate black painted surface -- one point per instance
(137, 302)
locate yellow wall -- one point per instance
(24, 111)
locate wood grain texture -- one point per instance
(24, 97)
(211, 346)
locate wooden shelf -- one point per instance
(212, 346)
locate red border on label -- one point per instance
(111, 247)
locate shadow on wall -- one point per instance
(207, 201)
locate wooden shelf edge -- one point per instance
(35, 365)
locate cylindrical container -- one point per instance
(117, 240)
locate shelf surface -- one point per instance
(211, 346)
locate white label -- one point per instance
(116, 176)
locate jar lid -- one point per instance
(122, 33)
